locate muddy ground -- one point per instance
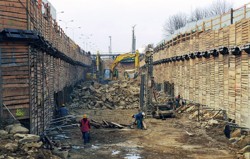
(163, 139)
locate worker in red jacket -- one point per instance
(85, 127)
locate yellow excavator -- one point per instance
(121, 57)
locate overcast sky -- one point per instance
(104, 18)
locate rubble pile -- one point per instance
(17, 143)
(214, 122)
(118, 94)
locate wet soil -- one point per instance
(163, 139)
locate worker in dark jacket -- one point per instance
(178, 98)
(139, 119)
(85, 128)
(227, 131)
(63, 111)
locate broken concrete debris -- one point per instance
(212, 120)
(245, 149)
(16, 128)
(118, 94)
(247, 155)
(12, 147)
(3, 132)
(17, 143)
(26, 138)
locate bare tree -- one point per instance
(198, 14)
(219, 7)
(179, 20)
(175, 22)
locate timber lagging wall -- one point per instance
(38, 65)
(202, 73)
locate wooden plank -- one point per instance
(25, 85)
(13, 3)
(15, 73)
(16, 97)
(15, 91)
(17, 102)
(14, 68)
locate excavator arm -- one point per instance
(123, 57)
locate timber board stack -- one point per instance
(30, 75)
(220, 82)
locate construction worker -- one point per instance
(178, 98)
(63, 111)
(138, 119)
(227, 131)
(85, 128)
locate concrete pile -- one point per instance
(16, 143)
(118, 94)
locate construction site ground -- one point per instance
(173, 138)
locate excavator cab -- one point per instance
(107, 75)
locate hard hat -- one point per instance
(143, 113)
(84, 116)
(63, 105)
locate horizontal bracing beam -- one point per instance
(206, 54)
(38, 42)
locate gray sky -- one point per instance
(104, 18)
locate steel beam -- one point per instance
(142, 91)
(1, 90)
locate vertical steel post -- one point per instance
(142, 92)
(133, 39)
(232, 16)
(98, 59)
(1, 90)
(30, 90)
(27, 14)
(43, 106)
(245, 11)
(149, 75)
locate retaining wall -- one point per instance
(210, 67)
(38, 63)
